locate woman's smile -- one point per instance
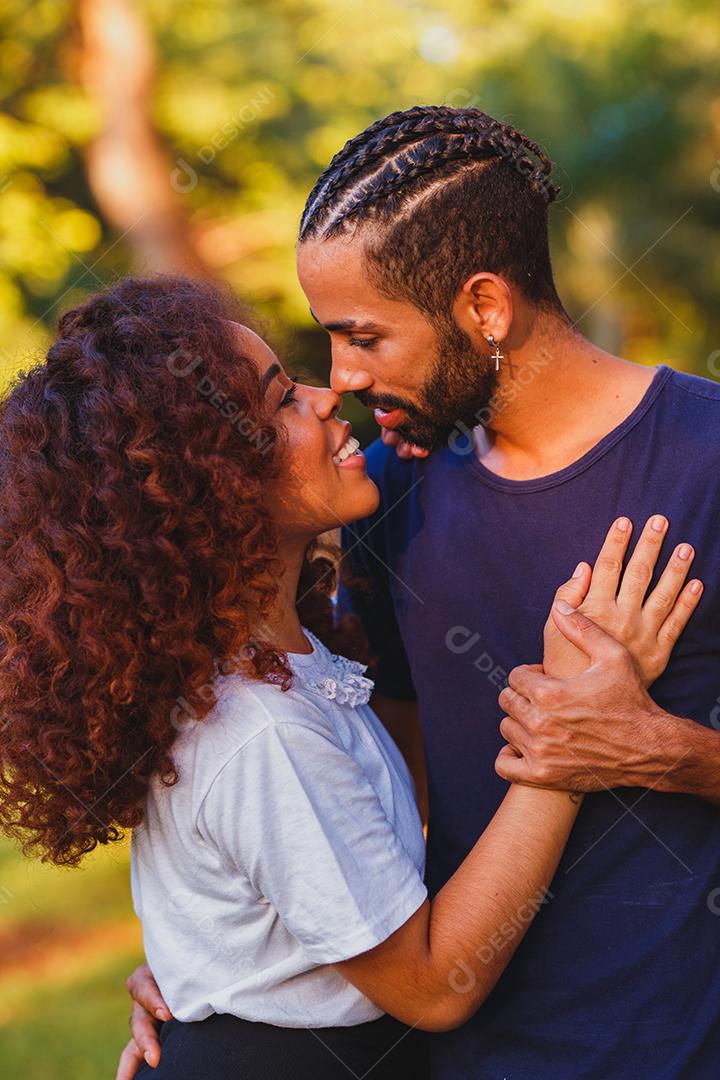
(349, 455)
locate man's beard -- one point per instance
(459, 388)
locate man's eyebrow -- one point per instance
(269, 375)
(347, 324)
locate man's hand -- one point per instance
(148, 1008)
(596, 730)
(616, 601)
(404, 449)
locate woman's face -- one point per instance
(324, 482)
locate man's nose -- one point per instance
(345, 380)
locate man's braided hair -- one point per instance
(447, 192)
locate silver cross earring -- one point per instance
(497, 356)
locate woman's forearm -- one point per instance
(481, 915)
(438, 968)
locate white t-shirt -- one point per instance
(291, 841)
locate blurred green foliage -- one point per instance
(68, 940)
(255, 98)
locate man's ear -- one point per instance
(484, 305)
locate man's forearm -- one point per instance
(601, 730)
(685, 758)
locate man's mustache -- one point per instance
(386, 403)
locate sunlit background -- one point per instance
(185, 134)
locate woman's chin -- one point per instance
(360, 499)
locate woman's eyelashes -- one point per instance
(289, 395)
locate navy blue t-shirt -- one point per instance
(619, 976)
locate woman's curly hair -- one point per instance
(136, 554)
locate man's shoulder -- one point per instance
(698, 393)
(693, 418)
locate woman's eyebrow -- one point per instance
(269, 375)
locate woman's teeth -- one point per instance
(351, 447)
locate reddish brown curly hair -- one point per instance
(136, 554)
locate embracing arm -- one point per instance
(439, 967)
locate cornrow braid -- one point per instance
(380, 142)
(469, 183)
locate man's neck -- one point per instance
(558, 396)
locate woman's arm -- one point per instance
(428, 963)
(438, 968)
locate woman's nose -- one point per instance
(326, 402)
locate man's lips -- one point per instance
(390, 419)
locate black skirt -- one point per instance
(228, 1048)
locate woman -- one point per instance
(165, 667)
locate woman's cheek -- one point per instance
(308, 448)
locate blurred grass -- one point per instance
(68, 940)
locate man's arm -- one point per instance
(597, 727)
(601, 729)
(148, 1004)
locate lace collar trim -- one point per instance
(333, 677)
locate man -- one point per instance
(511, 442)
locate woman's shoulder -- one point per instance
(245, 707)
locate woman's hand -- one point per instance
(615, 601)
(148, 1008)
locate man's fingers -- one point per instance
(678, 618)
(403, 448)
(584, 633)
(527, 679)
(406, 451)
(516, 705)
(513, 733)
(608, 565)
(574, 590)
(511, 767)
(130, 1061)
(639, 569)
(145, 991)
(662, 599)
(389, 437)
(144, 1033)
